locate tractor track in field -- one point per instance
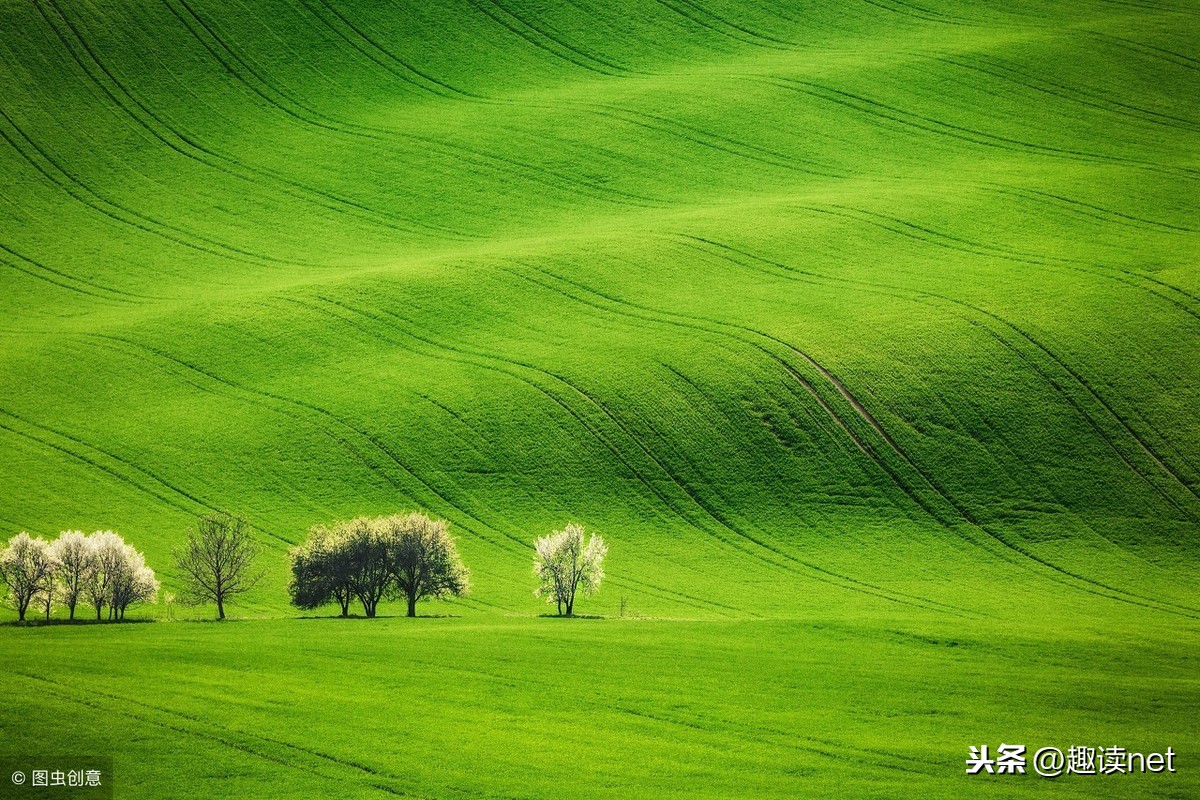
(713, 513)
(117, 212)
(723, 27)
(968, 516)
(995, 68)
(911, 120)
(542, 40)
(687, 495)
(914, 231)
(118, 468)
(959, 510)
(305, 114)
(1098, 213)
(365, 44)
(927, 235)
(1072, 374)
(914, 11)
(66, 281)
(76, 45)
(204, 380)
(189, 725)
(352, 438)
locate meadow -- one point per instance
(865, 333)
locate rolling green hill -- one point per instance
(864, 311)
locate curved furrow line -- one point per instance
(109, 293)
(714, 141)
(280, 101)
(1164, 441)
(716, 328)
(908, 119)
(1149, 50)
(305, 114)
(1081, 381)
(479, 359)
(1090, 585)
(506, 366)
(827, 424)
(1094, 211)
(512, 542)
(204, 729)
(123, 464)
(186, 146)
(298, 111)
(330, 424)
(723, 26)
(1072, 374)
(1092, 423)
(939, 239)
(535, 39)
(366, 45)
(918, 12)
(77, 188)
(174, 503)
(682, 598)
(617, 68)
(1001, 71)
(75, 44)
(47, 279)
(960, 509)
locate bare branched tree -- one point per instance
(217, 561)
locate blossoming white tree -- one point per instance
(133, 583)
(27, 566)
(76, 556)
(114, 574)
(565, 565)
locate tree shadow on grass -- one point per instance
(377, 616)
(46, 623)
(573, 616)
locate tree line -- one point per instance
(369, 559)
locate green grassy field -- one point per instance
(865, 333)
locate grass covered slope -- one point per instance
(849, 299)
(865, 333)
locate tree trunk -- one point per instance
(71, 607)
(21, 611)
(412, 605)
(220, 608)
